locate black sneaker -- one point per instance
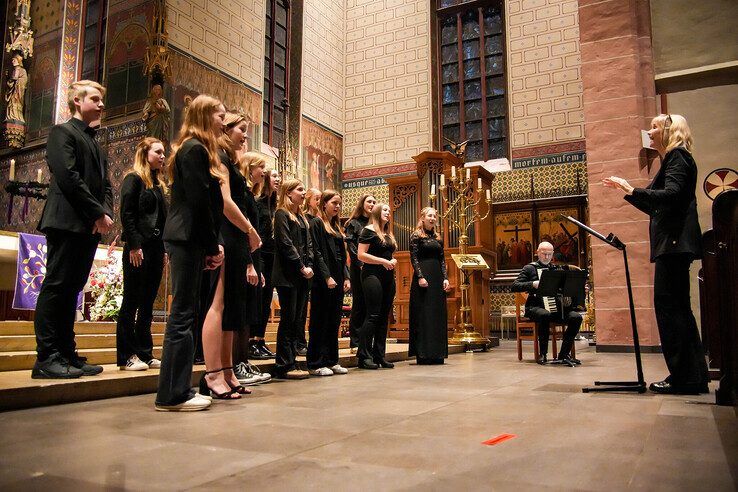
(81, 364)
(254, 351)
(55, 367)
(265, 350)
(302, 351)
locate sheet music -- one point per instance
(549, 303)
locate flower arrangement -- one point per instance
(106, 287)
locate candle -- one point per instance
(12, 169)
(453, 172)
(443, 180)
(479, 183)
(488, 197)
(433, 189)
(468, 174)
(38, 176)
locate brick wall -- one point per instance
(544, 72)
(323, 62)
(387, 81)
(224, 34)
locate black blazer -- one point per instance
(293, 249)
(353, 230)
(196, 204)
(671, 204)
(79, 191)
(329, 260)
(524, 283)
(265, 207)
(139, 211)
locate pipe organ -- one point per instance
(408, 196)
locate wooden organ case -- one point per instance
(408, 195)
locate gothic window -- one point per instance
(93, 40)
(276, 74)
(471, 74)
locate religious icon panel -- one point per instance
(513, 239)
(564, 236)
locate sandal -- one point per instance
(207, 391)
(239, 388)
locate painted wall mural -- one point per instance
(321, 156)
(562, 234)
(513, 239)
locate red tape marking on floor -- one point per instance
(499, 439)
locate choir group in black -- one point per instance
(231, 232)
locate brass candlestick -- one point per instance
(464, 206)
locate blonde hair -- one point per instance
(198, 124)
(306, 207)
(419, 229)
(81, 88)
(375, 219)
(284, 202)
(359, 209)
(142, 168)
(264, 189)
(230, 122)
(332, 225)
(247, 163)
(675, 132)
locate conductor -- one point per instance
(542, 310)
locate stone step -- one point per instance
(15, 343)
(18, 390)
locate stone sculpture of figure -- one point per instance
(16, 91)
(157, 115)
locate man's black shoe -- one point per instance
(573, 360)
(55, 367)
(666, 388)
(81, 364)
(562, 362)
(367, 364)
(302, 351)
(384, 364)
(542, 360)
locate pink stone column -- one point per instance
(619, 101)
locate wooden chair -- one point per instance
(527, 329)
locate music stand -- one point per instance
(640, 385)
(562, 283)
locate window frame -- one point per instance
(269, 105)
(99, 47)
(441, 14)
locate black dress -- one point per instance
(428, 317)
(237, 300)
(358, 308)
(265, 206)
(379, 293)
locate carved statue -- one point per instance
(459, 149)
(21, 35)
(17, 83)
(157, 114)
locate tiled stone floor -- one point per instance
(411, 428)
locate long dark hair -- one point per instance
(359, 209)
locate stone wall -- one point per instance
(224, 34)
(323, 63)
(544, 72)
(387, 81)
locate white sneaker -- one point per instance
(135, 364)
(249, 375)
(194, 404)
(321, 371)
(154, 363)
(339, 369)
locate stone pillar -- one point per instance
(619, 101)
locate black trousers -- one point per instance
(358, 306)
(379, 294)
(186, 261)
(292, 302)
(259, 329)
(543, 318)
(69, 257)
(325, 318)
(300, 340)
(140, 286)
(680, 339)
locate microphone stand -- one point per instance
(640, 385)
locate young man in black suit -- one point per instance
(78, 209)
(527, 281)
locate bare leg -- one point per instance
(213, 339)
